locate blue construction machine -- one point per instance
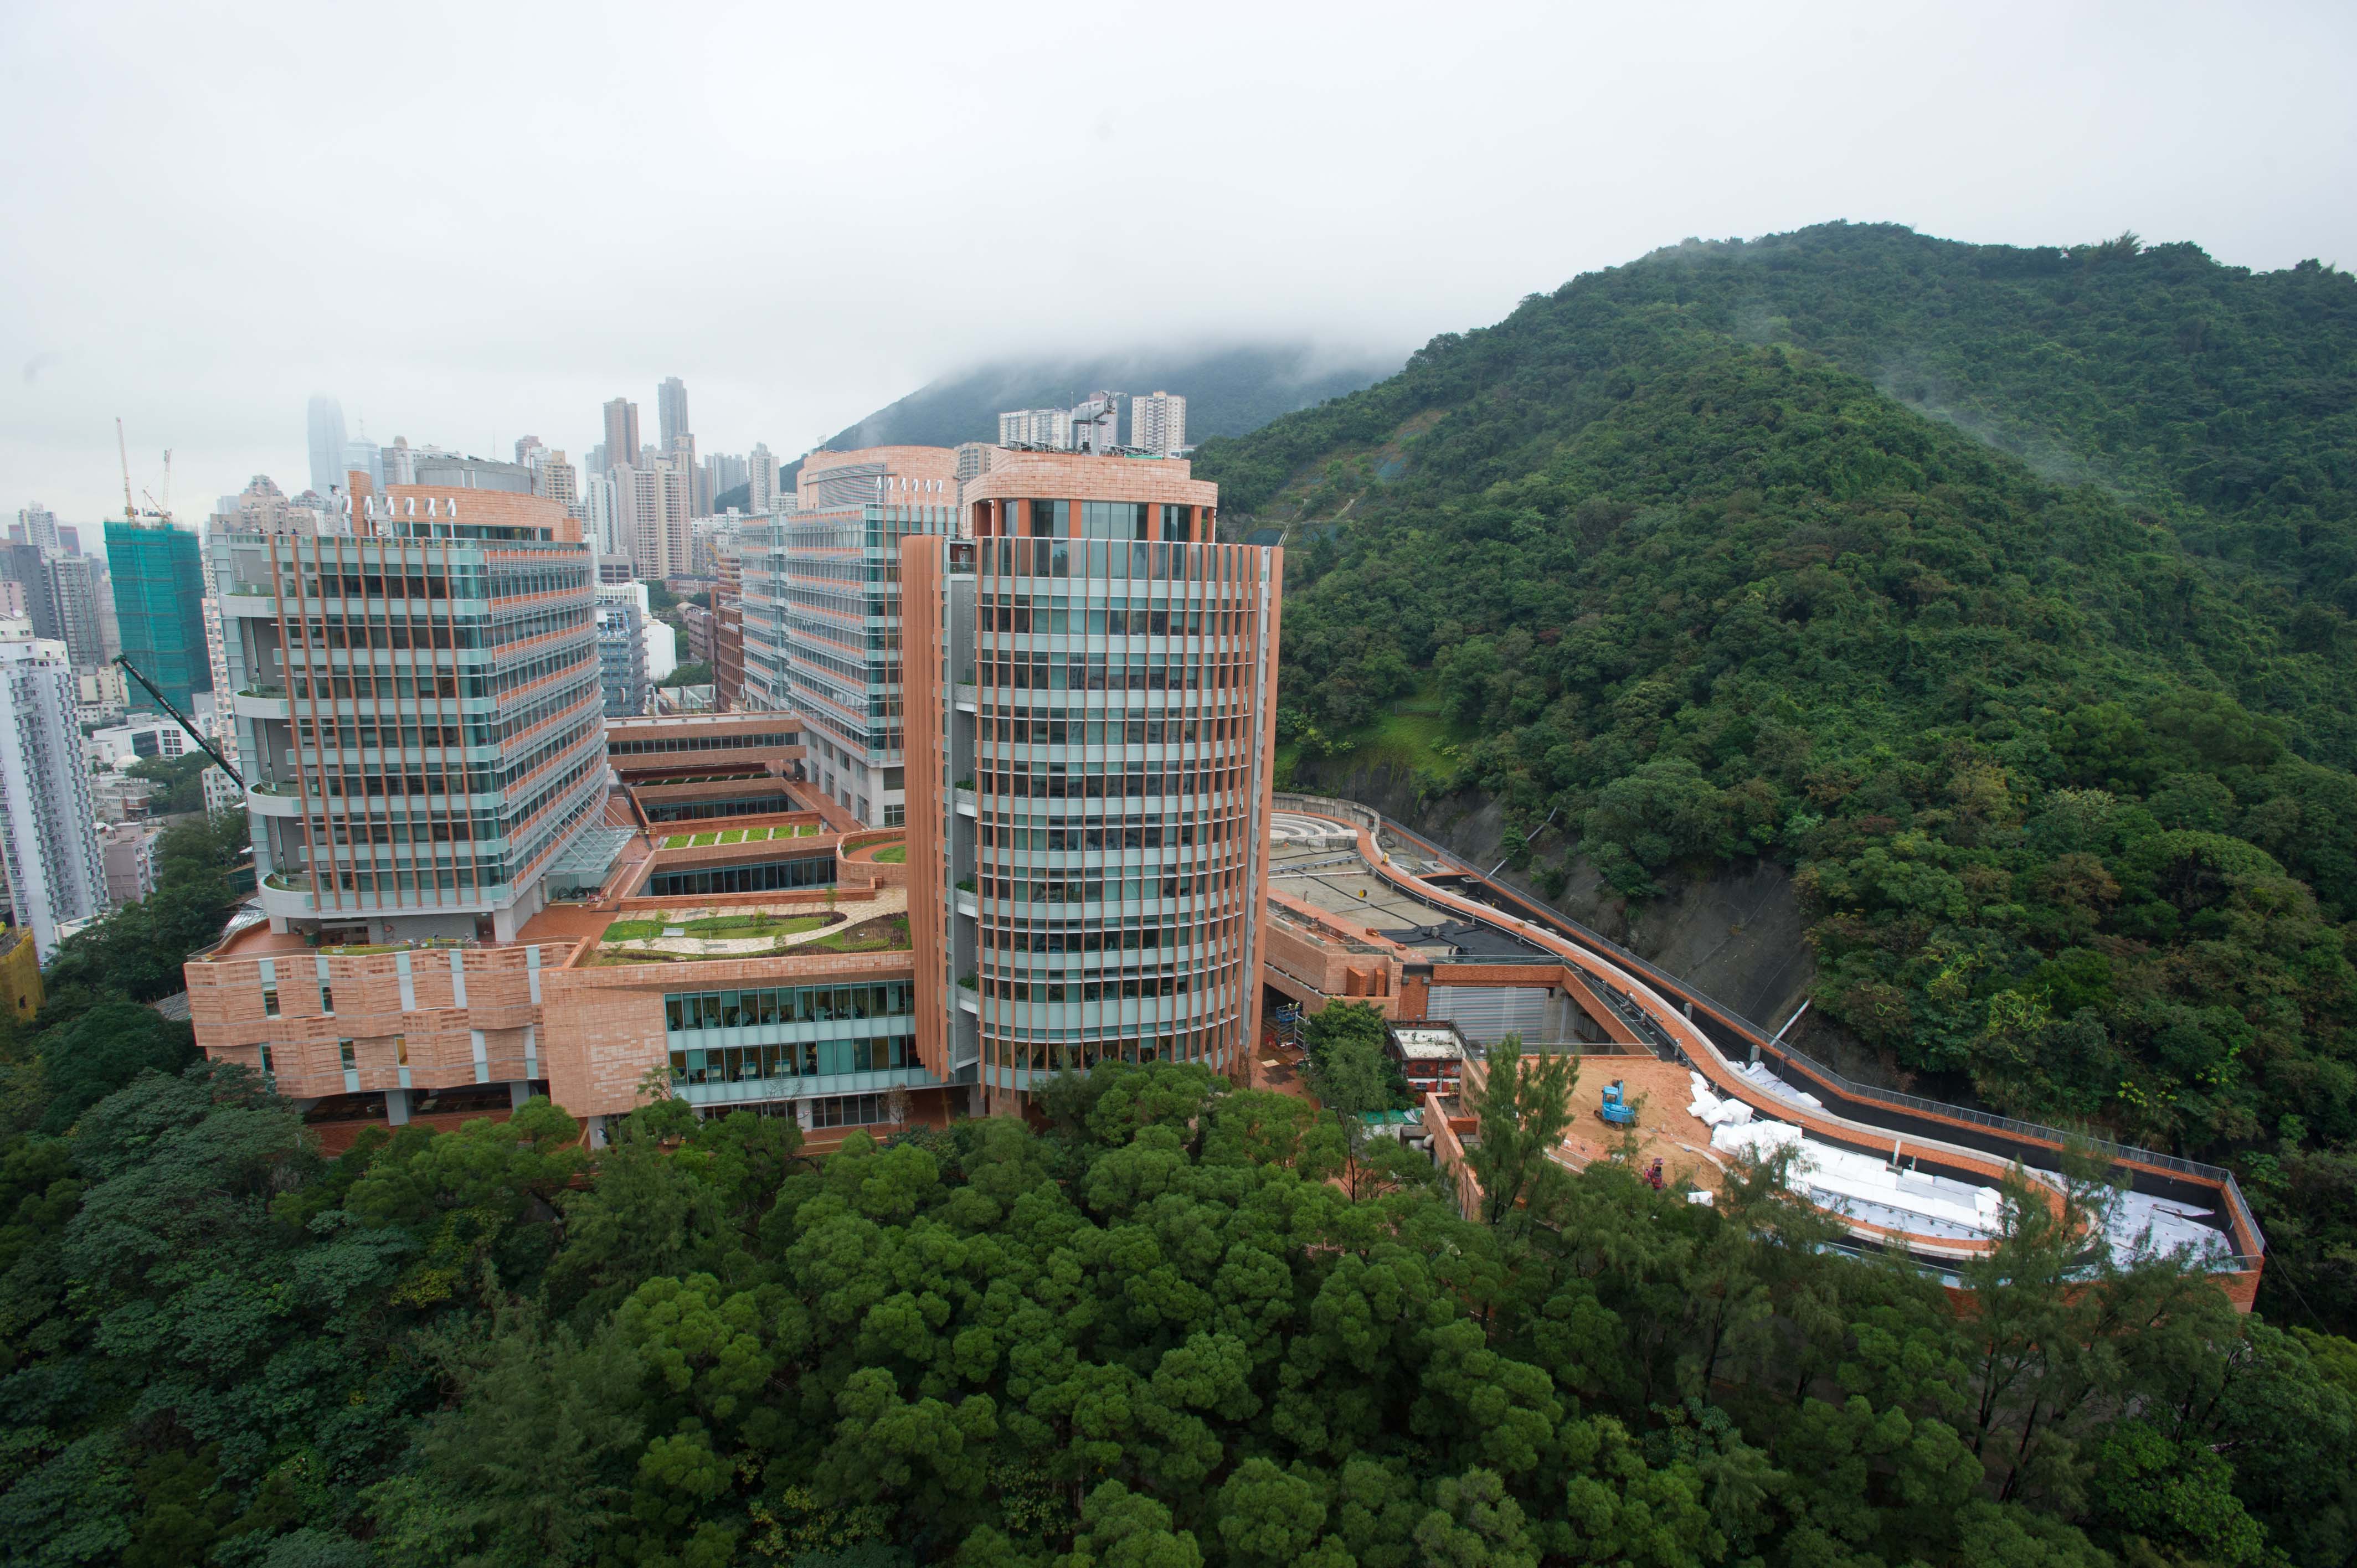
(1615, 1109)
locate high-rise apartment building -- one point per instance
(602, 519)
(621, 432)
(727, 470)
(653, 504)
(696, 479)
(73, 584)
(761, 479)
(556, 478)
(1049, 427)
(531, 451)
(40, 527)
(974, 460)
(1090, 700)
(1157, 422)
(837, 577)
(420, 708)
(27, 566)
(57, 871)
(326, 422)
(671, 412)
(159, 593)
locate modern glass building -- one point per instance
(622, 659)
(829, 614)
(159, 596)
(1090, 687)
(421, 711)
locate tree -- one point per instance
(1523, 1106)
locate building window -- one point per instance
(1114, 519)
(327, 999)
(267, 1066)
(344, 1054)
(401, 1049)
(269, 1002)
(849, 1111)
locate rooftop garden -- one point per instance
(682, 939)
(885, 933)
(742, 835)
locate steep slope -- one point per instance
(2067, 802)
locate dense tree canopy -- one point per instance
(2064, 767)
(1156, 1331)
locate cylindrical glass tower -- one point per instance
(1097, 684)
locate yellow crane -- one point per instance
(131, 511)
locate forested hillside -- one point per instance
(1178, 1326)
(2060, 753)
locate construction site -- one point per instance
(1681, 1089)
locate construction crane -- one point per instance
(131, 511)
(181, 719)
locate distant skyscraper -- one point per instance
(530, 450)
(1158, 423)
(57, 871)
(159, 593)
(69, 539)
(41, 526)
(621, 433)
(671, 411)
(327, 443)
(761, 476)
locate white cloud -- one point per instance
(472, 221)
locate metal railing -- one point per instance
(2058, 1138)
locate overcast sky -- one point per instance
(473, 221)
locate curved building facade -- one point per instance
(1090, 699)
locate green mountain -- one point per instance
(2000, 593)
(1229, 390)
